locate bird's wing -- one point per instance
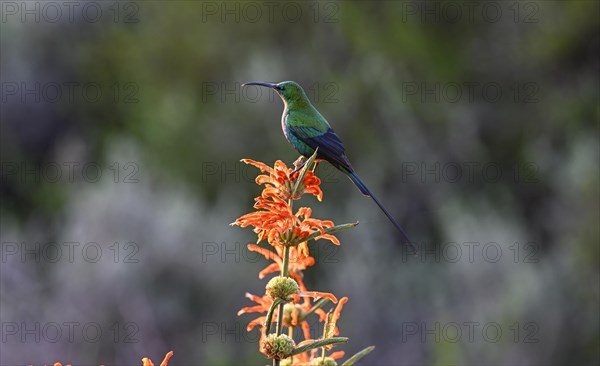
(330, 146)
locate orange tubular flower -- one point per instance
(274, 219)
(297, 263)
(148, 362)
(312, 294)
(288, 233)
(333, 329)
(298, 260)
(296, 314)
(281, 181)
(276, 223)
(264, 303)
(145, 361)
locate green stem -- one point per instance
(286, 260)
(284, 273)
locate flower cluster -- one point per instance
(148, 362)
(287, 302)
(274, 219)
(145, 361)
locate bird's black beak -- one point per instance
(272, 86)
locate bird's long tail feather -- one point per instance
(364, 190)
(361, 186)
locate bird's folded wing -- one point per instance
(330, 146)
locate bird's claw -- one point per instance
(298, 164)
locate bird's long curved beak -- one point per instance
(272, 86)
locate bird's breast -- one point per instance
(284, 127)
(299, 145)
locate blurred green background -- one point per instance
(123, 124)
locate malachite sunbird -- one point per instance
(306, 129)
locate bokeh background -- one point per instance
(123, 124)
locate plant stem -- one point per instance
(284, 273)
(286, 260)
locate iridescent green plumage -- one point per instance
(306, 129)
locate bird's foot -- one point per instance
(301, 162)
(298, 164)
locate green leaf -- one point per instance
(305, 169)
(358, 356)
(319, 343)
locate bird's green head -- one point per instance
(289, 91)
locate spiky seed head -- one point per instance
(277, 346)
(282, 287)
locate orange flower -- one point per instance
(275, 222)
(333, 330)
(312, 294)
(274, 219)
(282, 182)
(288, 233)
(264, 304)
(296, 317)
(148, 362)
(274, 216)
(298, 260)
(145, 361)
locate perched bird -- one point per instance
(306, 129)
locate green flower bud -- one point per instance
(277, 346)
(323, 361)
(282, 287)
(288, 310)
